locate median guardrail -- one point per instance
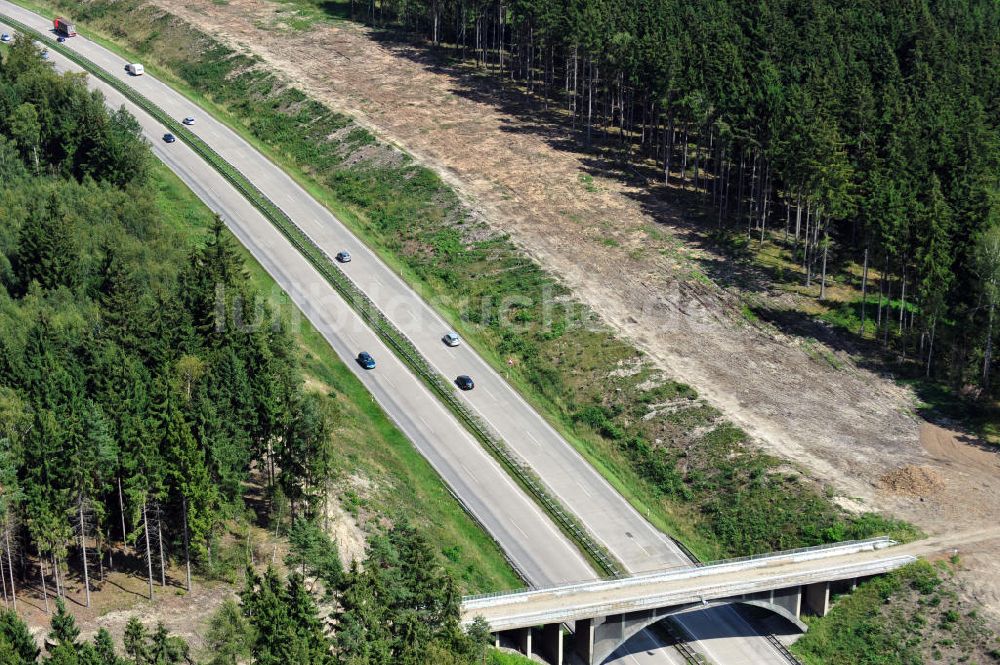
(359, 301)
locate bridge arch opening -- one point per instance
(617, 635)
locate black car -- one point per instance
(60, 39)
(465, 382)
(365, 360)
(169, 138)
(344, 256)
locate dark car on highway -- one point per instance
(169, 138)
(365, 360)
(344, 256)
(465, 382)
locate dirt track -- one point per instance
(632, 259)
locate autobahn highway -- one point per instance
(541, 553)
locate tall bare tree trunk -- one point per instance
(669, 141)
(187, 553)
(41, 573)
(590, 98)
(83, 552)
(159, 539)
(788, 215)
(902, 300)
(697, 161)
(798, 218)
(684, 159)
(3, 578)
(149, 551)
(55, 574)
(121, 509)
(930, 349)
(988, 354)
(826, 250)
(864, 293)
(10, 566)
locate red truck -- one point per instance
(63, 26)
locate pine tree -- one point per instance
(104, 648)
(20, 645)
(64, 630)
(230, 636)
(312, 646)
(265, 606)
(136, 642)
(165, 649)
(47, 247)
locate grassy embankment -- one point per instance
(911, 616)
(686, 468)
(402, 483)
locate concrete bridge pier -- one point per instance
(523, 641)
(817, 598)
(583, 640)
(550, 643)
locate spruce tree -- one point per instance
(16, 639)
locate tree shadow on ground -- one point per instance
(685, 213)
(682, 211)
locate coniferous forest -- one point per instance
(861, 133)
(143, 389)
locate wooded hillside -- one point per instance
(148, 399)
(853, 132)
(140, 381)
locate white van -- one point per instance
(135, 69)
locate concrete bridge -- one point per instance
(587, 622)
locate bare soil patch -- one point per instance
(911, 480)
(634, 259)
(123, 595)
(847, 425)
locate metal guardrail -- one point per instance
(672, 632)
(798, 550)
(361, 303)
(696, 565)
(782, 649)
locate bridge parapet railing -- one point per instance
(875, 543)
(880, 541)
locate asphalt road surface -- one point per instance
(529, 538)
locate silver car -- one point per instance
(451, 339)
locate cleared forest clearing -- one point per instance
(633, 258)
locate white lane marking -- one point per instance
(466, 469)
(492, 396)
(519, 529)
(695, 640)
(583, 488)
